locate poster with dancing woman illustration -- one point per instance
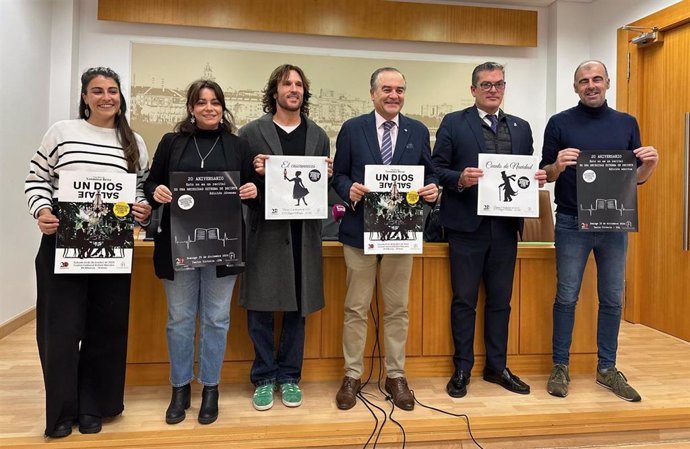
(508, 187)
(393, 211)
(96, 225)
(296, 187)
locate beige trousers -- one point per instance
(396, 270)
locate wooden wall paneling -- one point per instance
(335, 273)
(436, 314)
(429, 347)
(436, 317)
(148, 314)
(239, 346)
(373, 19)
(537, 294)
(312, 336)
(415, 330)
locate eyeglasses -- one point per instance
(486, 86)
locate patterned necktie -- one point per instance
(494, 122)
(386, 143)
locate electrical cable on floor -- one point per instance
(456, 415)
(376, 356)
(360, 394)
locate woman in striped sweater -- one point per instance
(82, 319)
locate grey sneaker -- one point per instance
(558, 381)
(615, 381)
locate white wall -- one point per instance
(66, 38)
(609, 16)
(64, 96)
(580, 31)
(25, 42)
(568, 45)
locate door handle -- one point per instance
(686, 186)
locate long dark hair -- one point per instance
(125, 135)
(278, 75)
(185, 126)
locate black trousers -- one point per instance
(81, 330)
(487, 254)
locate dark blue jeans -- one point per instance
(286, 365)
(572, 251)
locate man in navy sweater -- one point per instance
(591, 125)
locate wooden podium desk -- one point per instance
(429, 345)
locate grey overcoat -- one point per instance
(268, 283)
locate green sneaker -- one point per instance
(291, 395)
(615, 381)
(558, 381)
(263, 397)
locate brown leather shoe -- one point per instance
(402, 396)
(347, 395)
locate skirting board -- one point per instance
(15, 323)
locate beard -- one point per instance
(288, 106)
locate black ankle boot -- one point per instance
(62, 429)
(179, 402)
(208, 412)
(90, 424)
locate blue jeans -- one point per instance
(572, 251)
(286, 365)
(198, 292)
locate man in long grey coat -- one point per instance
(284, 266)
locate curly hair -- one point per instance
(279, 74)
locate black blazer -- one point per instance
(459, 140)
(357, 145)
(238, 157)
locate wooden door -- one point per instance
(658, 94)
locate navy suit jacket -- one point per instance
(459, 140)
(357, 145)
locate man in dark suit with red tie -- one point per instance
(481, 248)
(383, 136)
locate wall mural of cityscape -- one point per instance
(339, 85)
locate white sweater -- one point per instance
(77, 145)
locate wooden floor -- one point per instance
(656, 364)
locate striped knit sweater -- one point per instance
(76, 145)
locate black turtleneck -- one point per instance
(587, 129)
